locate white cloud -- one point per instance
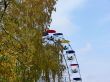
(64, 25)
(87, 48)
(63, 21)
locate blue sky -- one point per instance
(86, 24)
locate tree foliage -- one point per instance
(23, 57)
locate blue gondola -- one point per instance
(77, 79)
(56, 34)
(70, 51)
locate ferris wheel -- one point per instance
(71, 71)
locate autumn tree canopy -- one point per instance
(23, 57)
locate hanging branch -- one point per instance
(6, 4)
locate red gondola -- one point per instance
(51, 31)
(74, 65)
